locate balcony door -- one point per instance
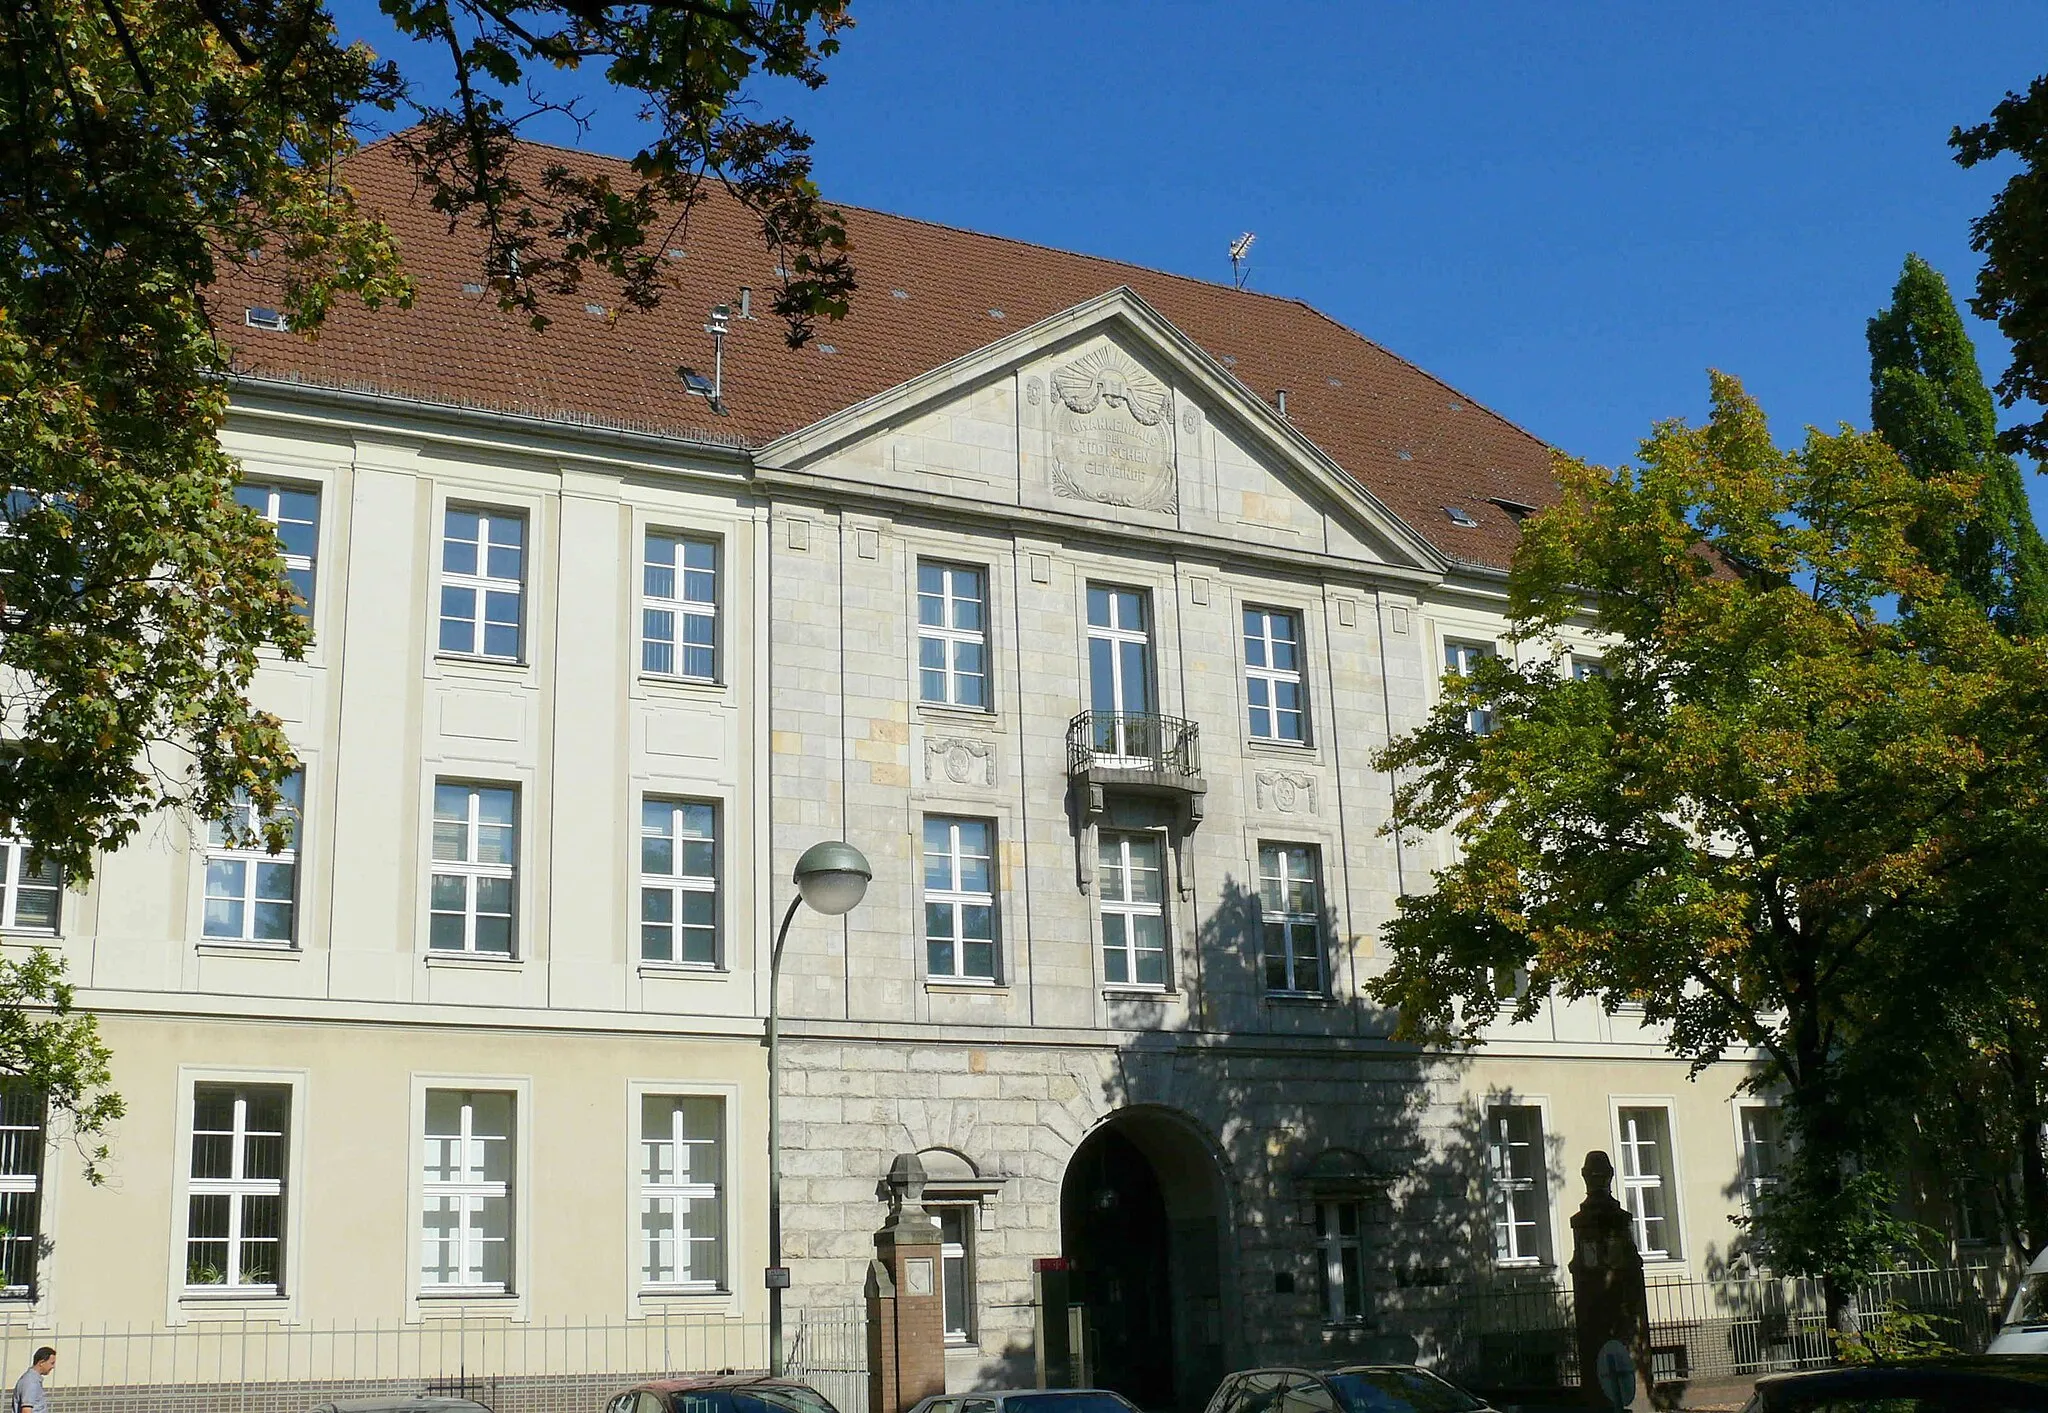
(1120, 689)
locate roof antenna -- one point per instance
(1240, 259)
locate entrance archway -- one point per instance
(1142, 1217)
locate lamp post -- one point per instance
(832, 877)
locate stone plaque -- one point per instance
(1286, 791)
(1112, 434)
(917, 1275)
(962, 760)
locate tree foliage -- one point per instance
(1928, 401)
(1756, 821)
(2012, 287)
(56, 1052)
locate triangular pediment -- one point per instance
(1108, 413)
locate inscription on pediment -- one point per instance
(1112, 433)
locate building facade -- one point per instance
(1032, 585)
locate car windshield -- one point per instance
(2032, 1305)
(753, 1398)
(1066, 1403)
(1399, 1391)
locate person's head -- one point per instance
(46, 1359)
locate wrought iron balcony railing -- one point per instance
(1133, 741)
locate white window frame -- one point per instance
(183, 1304)
(1460, 655)
(470, 870)
(642, 1301)
(1119, 749)
(1755, 1183)
(1627, 1148)
(1331, 1245)
(1504, 1183)
(950, 638)
(960, 1253)
(683, 1192)
(1274, 677)
(16, 1141)
(1130, 910)
(483, 582)
(251, 855)
(14, 854)
(956, 899)
(682, 606)
(467, 1191)
(1586, 667)
(678, 884)
(272, 511)
(236, 1187)
(1288, 920)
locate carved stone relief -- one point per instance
(1112, 433)
(961, 760)
(1286, 791)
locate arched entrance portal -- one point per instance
(1142, 1217)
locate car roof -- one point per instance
(1991, 1371)
(404, 1403)
(1016, 1393)
(697, 1381)
(1327, 1370)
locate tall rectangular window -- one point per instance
(959, 898)
(1462, 658)
(679, 620)
(1340, 1239)
(1521, 1196)
(1272, 671)
(1121, 699)
(956, 1257)
(1290, 918)
(952, 635)
(466, 1193)
(251, 893)
(476, 860)
(1131, 883)
(679, 881)
(682, 1191)
(31, 894)
(21, 1182)
(295, 513)
(1646, 1181)
(483, 583)
(234, 1225)
(1763, 1143)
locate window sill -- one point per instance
(483, 667)
(676, 1294)
(684, 686)
(223, 947)
(1298, 998)
(958, 715)
(685, 971)
(461, 1304)
(1139, 993)
(1261, 744)
(222, 1295)
(471, 961)
(29, 936)
(965, 986)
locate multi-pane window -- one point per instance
(682, 1191)
(476, 853)
(30, 892)
(1521, 1197)
(1340, 1241)
(1646, 1179)
(466, 1193)
(679, 620)
(483, 583)
(952, 635)
(1131, 882)
(1585, 669)
(234, 1225)
(959, 898)
(956, 1256)
(679, 881)
(21, 1182)
(296, 515)
(1120, 688)
(1272, 671)
(1763, 1144)
(1463, 658)
(251, 893)
(1290, 918)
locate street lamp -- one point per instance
(832, 877)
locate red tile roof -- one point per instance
(928, 294)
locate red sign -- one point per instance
(1050, 1263)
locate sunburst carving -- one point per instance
(1111, 375)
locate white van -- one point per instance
(2025, 1330)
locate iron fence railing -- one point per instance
(1129, 740)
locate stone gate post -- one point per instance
(1608, 1298)
(905, 1298)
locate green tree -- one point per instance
(2012, 287)
(1753, 822)
(1929, 402)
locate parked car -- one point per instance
(402, 1403)
(2025, 1330)
(722, 1393)
(1355, 1388)
(1984, 1383)
(1027, 1400)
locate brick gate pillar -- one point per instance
(905, 1298)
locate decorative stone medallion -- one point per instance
(961, 760)
(1112, 433)
(1034, 391)
(1286, 791)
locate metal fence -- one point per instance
(538, 1366)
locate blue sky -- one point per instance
(1569, 210)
